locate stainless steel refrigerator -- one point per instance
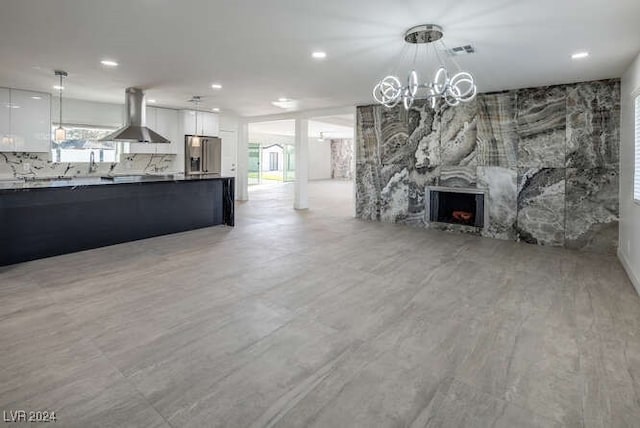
(203, 155)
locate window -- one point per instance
(636, 175)
(81, 142)
(273, 161)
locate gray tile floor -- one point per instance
(317, 319)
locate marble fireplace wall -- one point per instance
(39, 165)
(341, 159)
(547, 156)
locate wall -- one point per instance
(319, 159)
(342, 159)
(629, 250)
(547, 156)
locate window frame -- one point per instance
(120, 148)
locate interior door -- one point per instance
(229, 152)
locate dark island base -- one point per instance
(45, 222)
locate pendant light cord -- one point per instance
(60, 95)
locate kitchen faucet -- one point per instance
(93, 166)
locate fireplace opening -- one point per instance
(455, 207)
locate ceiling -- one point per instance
(331, 127)
(261, 50)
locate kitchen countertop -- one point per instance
(46, 183)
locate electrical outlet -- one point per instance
(26, 167)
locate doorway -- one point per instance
(271, 152)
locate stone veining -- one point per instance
(547, 156)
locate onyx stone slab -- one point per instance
(592, 209)
(593, 124)
(502, 190)
(497, 139)
(542, 123)
(458, 134)
(541, 211)
(42, 220)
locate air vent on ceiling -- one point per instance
(462, 50)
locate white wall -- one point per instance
(319, 159)
(629, 247)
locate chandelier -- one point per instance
(453, 89)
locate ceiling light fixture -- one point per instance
(319, 55)
(36, 98)
(195, 140)
(109, 63)
(580, 55)
(452, 90)
(60, 133)
(215, 110)
(58, 87)
(152, 101)
(216, 86)
(285, 103)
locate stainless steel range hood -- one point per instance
(135, 129)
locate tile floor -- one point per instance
(313, 318)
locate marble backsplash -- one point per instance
(547, 156)
(38, 165)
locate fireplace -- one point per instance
(464, 207)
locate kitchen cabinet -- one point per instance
(165, 122)
(29, 121)
(6, 143)
(208, 123)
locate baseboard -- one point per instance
(627, 267)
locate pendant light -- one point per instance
(60, 133)
(455, 88)
(195, 140)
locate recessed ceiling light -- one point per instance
(285, 103)
(36, 98)
(152, 101)
(216, 86)
(580, 55)
(319, 55)
(109, 63)
(58, 87)
(215, 110)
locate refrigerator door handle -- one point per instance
(204, 153)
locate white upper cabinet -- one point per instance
(167, 125)
(6, 142)
(29, 121)
(165, 122)
(211, 126)
(208, 123)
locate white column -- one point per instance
(301, 196)
(242, 173)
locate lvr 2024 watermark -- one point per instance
(28, 416)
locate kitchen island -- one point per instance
(51, 217)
